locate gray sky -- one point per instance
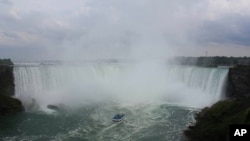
(123, 29)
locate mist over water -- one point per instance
(124, 83)
(159, 100)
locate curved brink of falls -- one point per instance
(123, 83)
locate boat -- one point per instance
(118, 117)
(53, 107)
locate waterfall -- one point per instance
(209, 80)
(123, 82)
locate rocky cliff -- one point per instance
(8, 104)
(212, 124)
(239, 82)
(7, 86)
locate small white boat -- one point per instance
(118, 117)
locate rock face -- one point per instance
(212, 124)
(7, 86)
(239, 82)
(8, 105)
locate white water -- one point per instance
(124, 83)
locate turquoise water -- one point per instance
(155, 98)
(161, 122)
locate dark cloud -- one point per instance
(230, 29)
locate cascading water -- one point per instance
(158, 100)
(50, 84)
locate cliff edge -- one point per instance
(239, 82)
(8, 104)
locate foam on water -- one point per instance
(93, 122)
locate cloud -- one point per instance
(230, 29)
(84, 29)
(5, 2)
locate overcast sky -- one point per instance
(111, 29)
